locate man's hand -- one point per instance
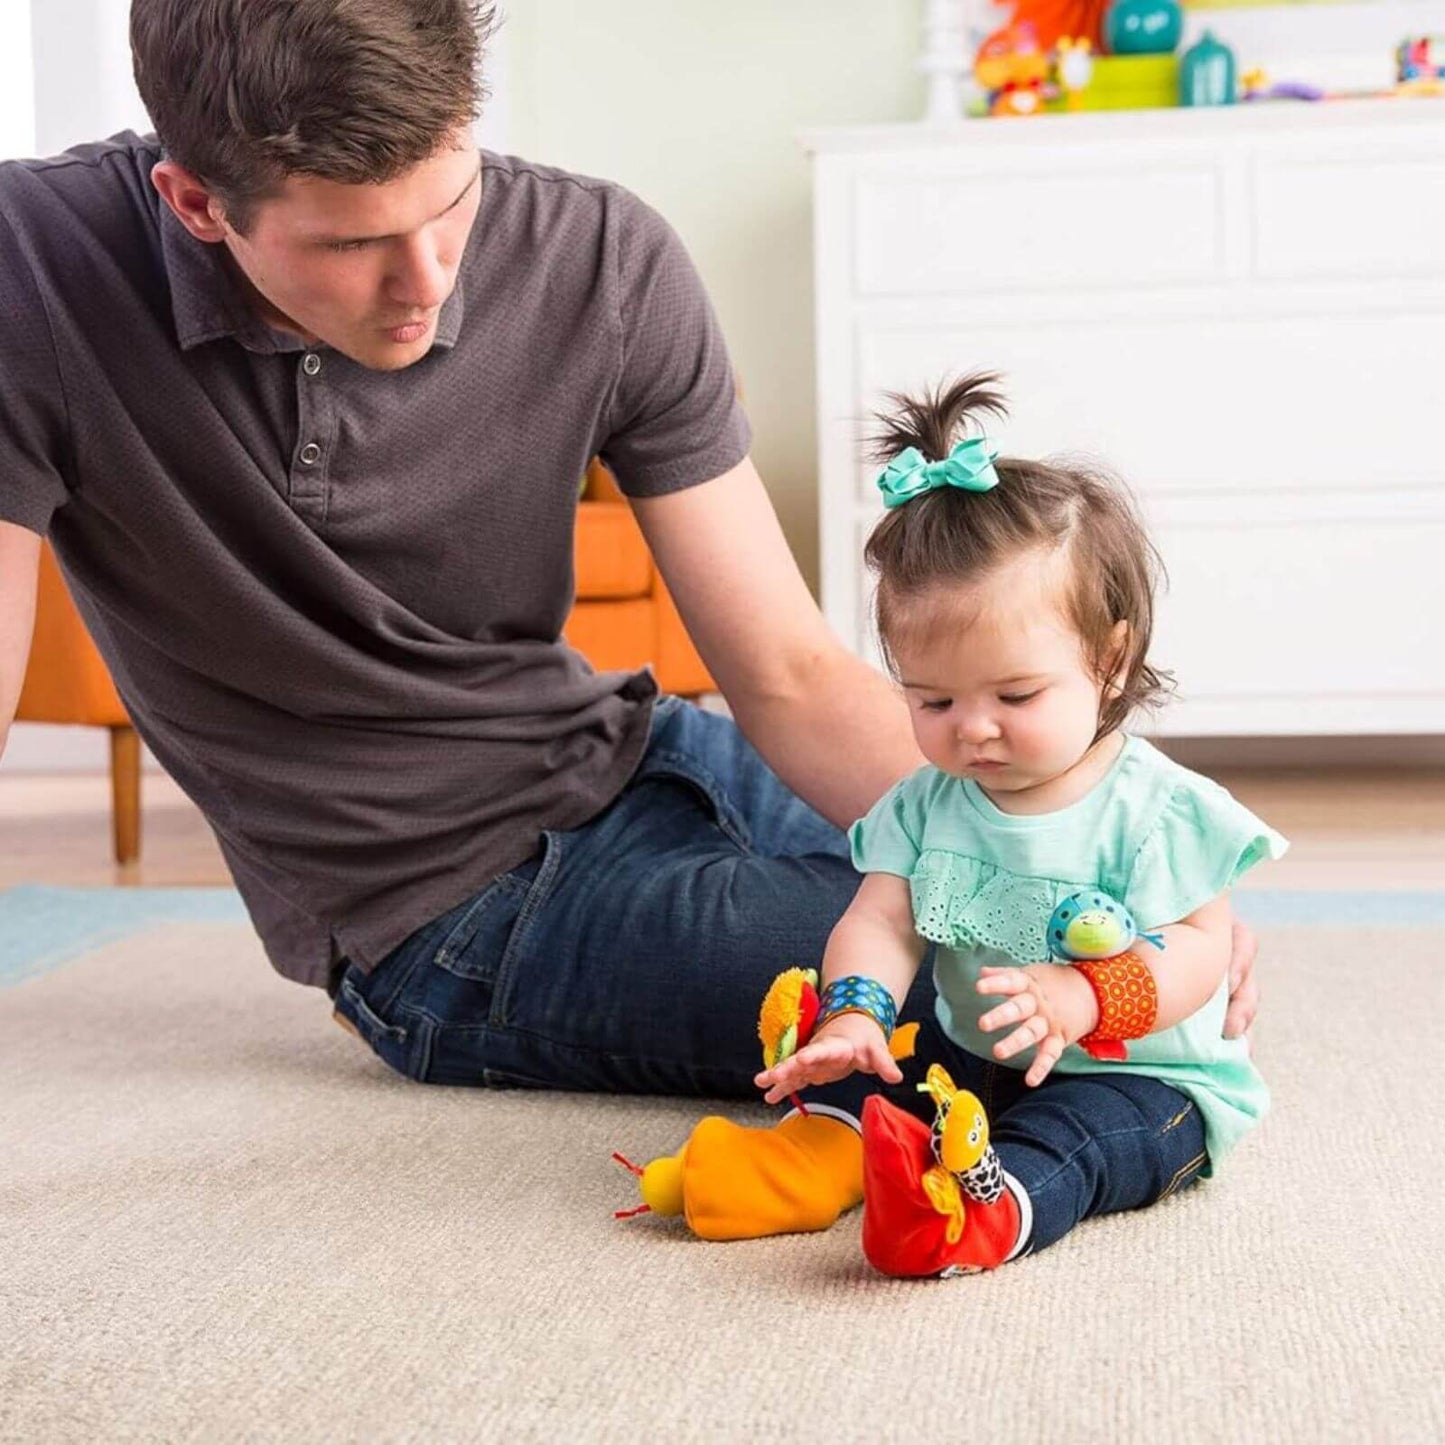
(19, 569)
(847, 1044)
(1053, 1004)
(1243, 988)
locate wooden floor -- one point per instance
(1350, 829)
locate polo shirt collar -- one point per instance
(208, 302)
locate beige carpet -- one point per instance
(223, 1220)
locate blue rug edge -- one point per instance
(79, 920)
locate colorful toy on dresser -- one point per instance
(1420, 65)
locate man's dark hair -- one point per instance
(244, 93)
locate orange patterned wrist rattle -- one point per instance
(1128, 1003)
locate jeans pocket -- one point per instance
(370, 1024)
(472, 947)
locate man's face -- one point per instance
(364, 268)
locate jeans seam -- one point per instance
(394, 993)
(1179, 1118)
(1178, 1181)
(707, 783)
(1093, 1139)
(450, 947)
(421, 1054)
(1048, 1179)
(368, 1015)
(537, 894)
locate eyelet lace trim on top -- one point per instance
(962, 902)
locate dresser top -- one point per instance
(1181, 123)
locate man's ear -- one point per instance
(195, 206)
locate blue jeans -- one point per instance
(1080, 1145)
(628, 955)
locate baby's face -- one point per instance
(998, 686)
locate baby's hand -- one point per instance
(1053, 1004)
(844, 1045)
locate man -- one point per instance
(301, 391)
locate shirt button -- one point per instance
(310, 454)
(311, 363)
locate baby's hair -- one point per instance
(951, 536)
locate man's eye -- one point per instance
(938, 704)
(1017, 699)
(346, 245)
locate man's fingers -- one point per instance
(1242, 1008)
(1243, 950)
(1243, 987)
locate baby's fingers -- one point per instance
(816, 1064)
(1002, 980)
(1011, 1011)
(1031, 1032)
(877, 1060)
(1050, 1051)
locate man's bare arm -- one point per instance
(19, 568)
(832, 727)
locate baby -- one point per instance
(1080, 1066)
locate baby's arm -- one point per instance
(1194, 959)
(875, 938)
(1055, 1005)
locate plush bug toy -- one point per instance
(1093, 926)
(967, 1164)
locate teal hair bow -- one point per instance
(969, 466)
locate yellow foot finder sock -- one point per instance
(796, 1176)
(730, 1182)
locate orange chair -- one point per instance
(623, 619)
(67, 682)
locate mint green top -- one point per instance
(1160, 839)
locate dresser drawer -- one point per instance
(1075, 225)
(1286, 618)
(1344, 214)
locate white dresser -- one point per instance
(1242, 311)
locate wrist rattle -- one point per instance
(793, 1011)
(857, 994)
(1094, 932)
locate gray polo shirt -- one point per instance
(331, 598)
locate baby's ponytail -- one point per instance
(936, 420)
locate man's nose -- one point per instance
(421, 278)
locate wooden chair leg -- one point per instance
(125, 792)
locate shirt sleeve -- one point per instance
(33, 424)
(675, 416)
(1202, 842)
(890, 838)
